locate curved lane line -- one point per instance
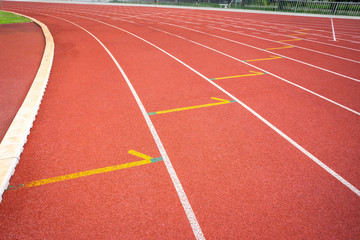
(15, 138)
(179, 189)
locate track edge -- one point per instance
(15, 138)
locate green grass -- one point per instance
(6, 18)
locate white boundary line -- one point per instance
(15, 138)
(304, 151)
(179, 189)
(333, 30)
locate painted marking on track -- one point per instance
(146, 160)
(253, 73)
(290, 40)
(283, 47)
(263, 59)
(333, 29)
(145, 157)
(297, 34)
(220, 102)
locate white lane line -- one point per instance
(333, 30)
(308, 154)
(179, 189)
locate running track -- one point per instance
(270, 152)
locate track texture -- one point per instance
(254, 113)
(22, 46)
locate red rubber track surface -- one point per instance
(242, 179)
(21, 47)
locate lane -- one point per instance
(22, 46)
(89, 119)
(218, 153)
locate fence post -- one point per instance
(337, 4)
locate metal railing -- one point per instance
(320, 7)
(296, 6)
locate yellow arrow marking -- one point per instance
(283, 47)
(290, 40)
(140, 155)
(245, 75)
(146, 160)
(221, 101)
(262, 59)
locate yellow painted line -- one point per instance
(253, 73)
(220, 102)
(290, 40)
(147, 160)
(140, 155)
(297, 34)
(263, 59)
(283, 47)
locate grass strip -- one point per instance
(6, 18)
